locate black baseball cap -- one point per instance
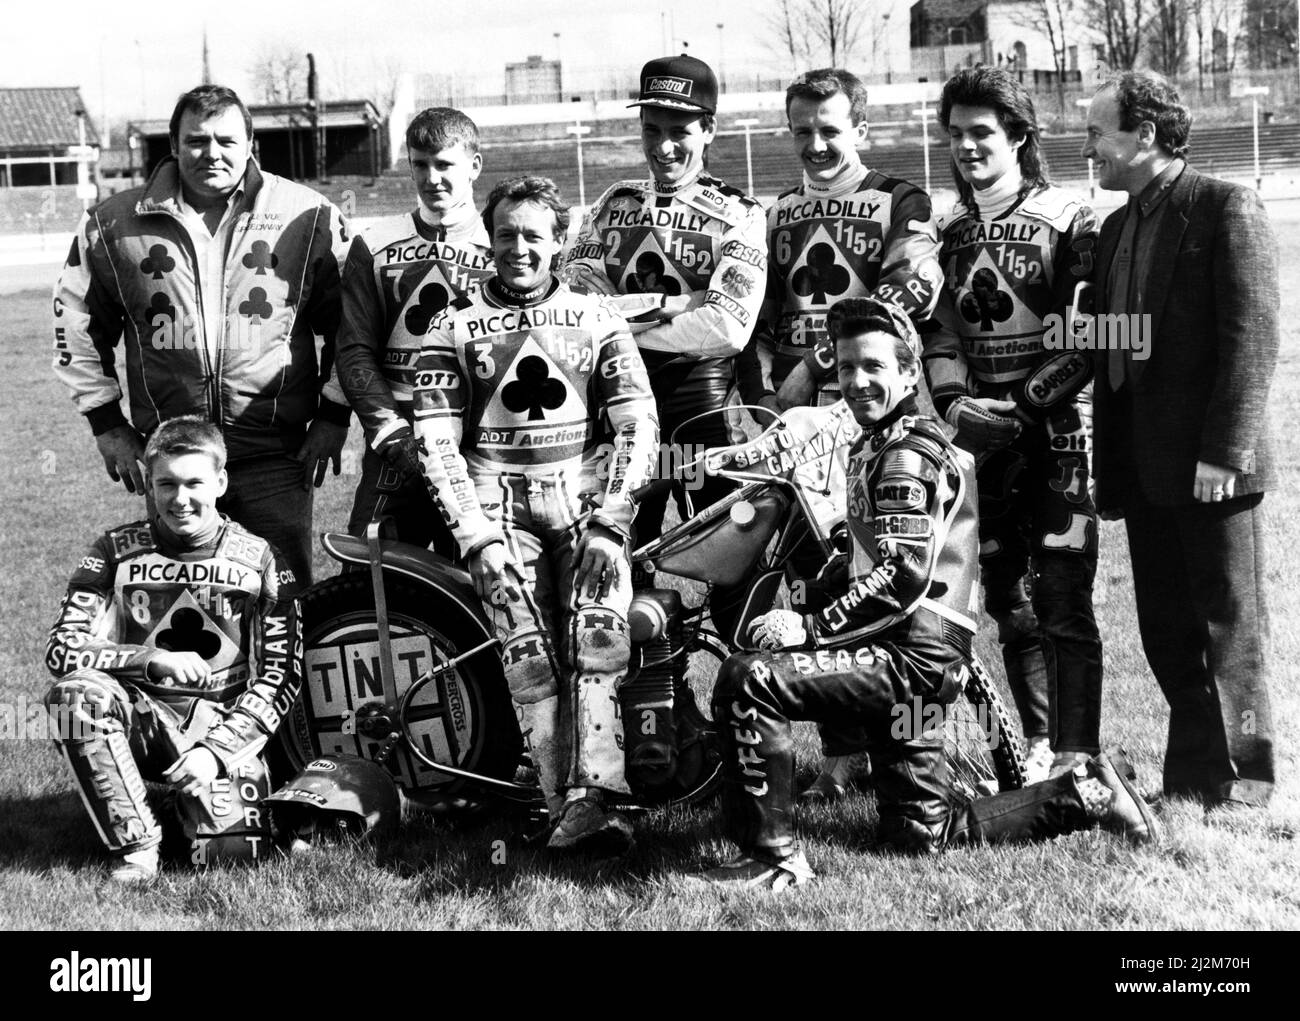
(679, 83)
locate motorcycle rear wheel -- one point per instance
(466, 721)
(981, 740)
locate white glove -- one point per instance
(779, 629)
(983, 423)
(585, 280)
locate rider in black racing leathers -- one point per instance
(891, 652)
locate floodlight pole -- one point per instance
(1092, 187)
(924, 114)
(747, 123)
(1254, 92)
(579, 129)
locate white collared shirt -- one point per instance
(210, 261)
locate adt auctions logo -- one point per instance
(102, 975)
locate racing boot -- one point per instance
(135, 868)
(832, 782)
(586, 825)
(539, 723)
(1109, 797)
(748, 873)
(601, 649)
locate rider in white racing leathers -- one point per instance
(537, 422)
(401, 271)
(692, 248)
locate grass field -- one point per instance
(1220, 871)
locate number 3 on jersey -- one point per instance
(484, 366)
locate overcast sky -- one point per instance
(130, 56)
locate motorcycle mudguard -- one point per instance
(420, 565)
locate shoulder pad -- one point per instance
(796, 190)
(618, 190)
(130, 540)
(1054, 206)
(299, 194)
(902, 461)
(384, 231)
(896, 186)
(951, 217)
(243, 546)
(731, 192)
(925, 437)
(462, 301)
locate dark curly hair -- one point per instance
(999, 91)
(1147, 96)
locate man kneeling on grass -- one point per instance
(177, 654)
(902, 637)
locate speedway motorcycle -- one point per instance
(401, 665)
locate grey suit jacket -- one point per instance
(1201, 393)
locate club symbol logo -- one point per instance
(533, 390)
(161, 305)
(157, 262)
(651, 278)
(188, 634)
(261, 258)
(986, 304)
(256, 305)
(432, 299)
(822, 276)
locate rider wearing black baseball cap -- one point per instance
(679, 83)
(692, 253)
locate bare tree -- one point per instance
(279, 73)
(837, 24)
(1123, 24)
(1212, 20)
(1168, 36)
(790, 24)
(1056, 18)
(385, 81)
(812, 31)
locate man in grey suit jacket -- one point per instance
(1182, 450)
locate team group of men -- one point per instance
(514, 392)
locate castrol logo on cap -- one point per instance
(677, 86)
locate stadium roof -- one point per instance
(951, 10)
(42, 118)
(342, 113)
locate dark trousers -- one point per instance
(384, 492)
(1037, 514)
(897, 697)
(1198, 576)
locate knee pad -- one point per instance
(81, 707)
(230, 822)
(599, 642)
(529, 668)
